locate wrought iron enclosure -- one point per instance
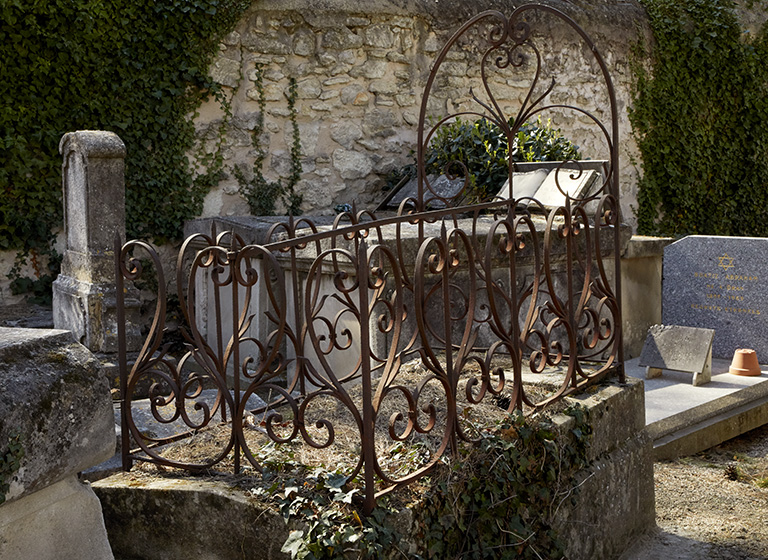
(324, 314)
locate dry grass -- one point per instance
(396, 458)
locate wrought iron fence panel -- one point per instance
(284, 339)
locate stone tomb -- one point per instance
(441, 185)
(719, 283)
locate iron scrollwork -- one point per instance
(273, 332)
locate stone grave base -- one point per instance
(181, 518)
(62, 521)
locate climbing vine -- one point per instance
(138, 68)
(498, 500)
(262, 195)
(700, 117)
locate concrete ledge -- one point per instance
(725, 406)
(60, 522)
(627, 401)
(683, 419)
(180, 519)
(713, 430)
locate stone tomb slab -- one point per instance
(680, 349)
(441, 185)
(719, 283)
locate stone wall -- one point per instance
(361, 68)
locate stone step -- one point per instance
(711, 431)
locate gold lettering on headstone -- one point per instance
(734, 288)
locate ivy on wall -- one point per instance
(700, 116)
(134, 67)
(260, 194)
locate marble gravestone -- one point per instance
(678, 348)
(719, 283)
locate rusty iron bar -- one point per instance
(316, 311)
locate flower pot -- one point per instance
(744, 363)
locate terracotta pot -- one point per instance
(745, 363)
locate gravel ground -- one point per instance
(713, 505)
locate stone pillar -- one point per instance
(94, 211)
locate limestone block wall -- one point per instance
(361, 68)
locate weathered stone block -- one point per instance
(55, 404)
(346, 133)
(379, 122)
(55, 400)
(264, 44)
(349, 93)
(379, 35)
(144, 520)
(362, 99)
(612, 503)
(340, 39)
(351, 164)
(337, 81)
(626, 400)
(370, 70)
(225, 71)
(89, 312)
(60, 522)
(309, 88)
(304, 43)
(354, 21)
(386, 87)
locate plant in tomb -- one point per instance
(497, 500)
(261, 194)
(481, 150)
